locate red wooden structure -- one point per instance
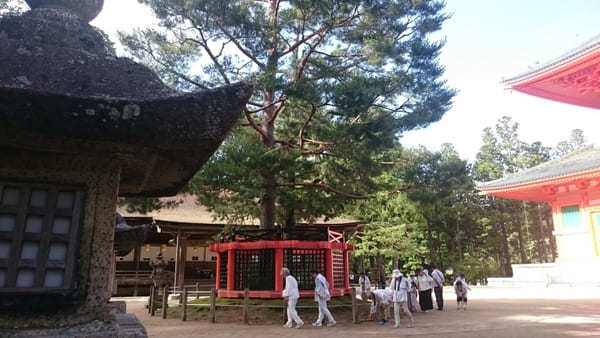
(256, 266)
(572, 78)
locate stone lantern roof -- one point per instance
(61, 92)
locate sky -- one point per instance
(486, 41)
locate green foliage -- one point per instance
(475, 269)
(576, 141)
(395, 230)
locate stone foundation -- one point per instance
(124, 325)
(581, 273)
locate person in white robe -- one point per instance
(291, 295)
(461, 288)
(322, 296)
(365, 285)
(400, 287)
(381, 301)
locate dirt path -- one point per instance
(555, 312)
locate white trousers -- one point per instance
(323, 312)
(292, 315)
(404, 307)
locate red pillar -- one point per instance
(218, 271)
(278, 266)
(230, 269)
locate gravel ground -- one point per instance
(492, 312)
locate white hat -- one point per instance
(396, 273)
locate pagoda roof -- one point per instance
(580, 164)
(61, 92)
(572, 78)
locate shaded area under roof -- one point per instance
(580, 162)
(572, 78)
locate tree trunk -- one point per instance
(457, 239)
(269, 179)
(395, 263)
(521, 242)
(541, 243)
(504, 250)
(551, 238)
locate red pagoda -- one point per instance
(570, 185)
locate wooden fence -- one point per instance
(160, 298)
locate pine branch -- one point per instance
(319, 31)
(241, 48)
(253, 124)
(323, 186)
(301, 133)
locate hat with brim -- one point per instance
(396, 273)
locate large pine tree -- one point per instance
(336, 82)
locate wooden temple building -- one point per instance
(571, 184)
(183, 235)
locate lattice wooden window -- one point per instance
(39, 229)
(302, 263)
(255, 269)
(223, 270)
(339, 269)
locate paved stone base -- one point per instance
(126, 325)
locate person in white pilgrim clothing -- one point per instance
(365, 285)
(381, 300)
(322, 296)
(291, 295)
(400, 287)
(461, 288)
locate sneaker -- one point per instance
(396, 326)
(411, 324)
(299, 325)
(383, 322)
(317, 324)
(287, 326)
(331, 324)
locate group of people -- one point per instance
(291, 295)
(411, 294)
(401, 295)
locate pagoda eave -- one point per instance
(572, 79)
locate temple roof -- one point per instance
(188, 211)
(61, 92)
(578, 164)
(572, 78)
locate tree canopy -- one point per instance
(336, 82)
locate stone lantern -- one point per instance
(78, 128)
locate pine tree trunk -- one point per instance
(269, 179)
